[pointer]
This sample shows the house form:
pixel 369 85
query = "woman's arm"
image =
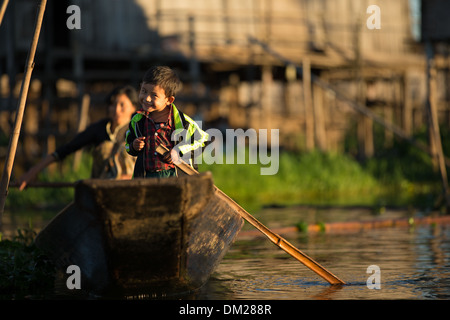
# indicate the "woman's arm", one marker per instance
pixel 30 174
pixel 94 134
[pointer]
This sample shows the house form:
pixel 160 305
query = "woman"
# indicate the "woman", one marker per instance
pixel 107 136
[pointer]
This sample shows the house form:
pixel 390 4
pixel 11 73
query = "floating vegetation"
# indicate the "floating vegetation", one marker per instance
pixel 302 226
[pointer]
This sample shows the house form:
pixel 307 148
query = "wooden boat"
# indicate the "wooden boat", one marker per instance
pixel 143 236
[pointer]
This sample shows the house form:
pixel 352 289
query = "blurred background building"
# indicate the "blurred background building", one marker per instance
pixel 311 68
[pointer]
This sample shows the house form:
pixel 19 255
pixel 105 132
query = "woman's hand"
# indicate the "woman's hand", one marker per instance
pixel 31 174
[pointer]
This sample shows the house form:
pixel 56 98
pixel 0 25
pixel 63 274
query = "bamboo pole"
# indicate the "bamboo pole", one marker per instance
pixel 46 185
pixel 3 10
pixel 20 110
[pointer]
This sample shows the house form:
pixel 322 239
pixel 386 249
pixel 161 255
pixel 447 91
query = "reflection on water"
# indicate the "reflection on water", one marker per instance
pixel 414 262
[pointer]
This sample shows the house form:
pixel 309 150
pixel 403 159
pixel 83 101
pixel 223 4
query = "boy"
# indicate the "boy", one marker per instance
pixel 159 122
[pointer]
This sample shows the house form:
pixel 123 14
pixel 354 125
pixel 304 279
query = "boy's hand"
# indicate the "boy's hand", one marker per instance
pixel 139 143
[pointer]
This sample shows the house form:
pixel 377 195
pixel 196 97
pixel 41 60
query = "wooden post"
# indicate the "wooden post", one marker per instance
pixel 435 135
pixel 319 118
pixel 364 126
pixel 309 116
pixel 194 65
pixel 20 111
pixel 84 99
pixel 267 85
pixel 407 104
pixel 388 117
pixel 82 124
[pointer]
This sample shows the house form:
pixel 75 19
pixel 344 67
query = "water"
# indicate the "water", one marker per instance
pixel 414 261
pixel 414 264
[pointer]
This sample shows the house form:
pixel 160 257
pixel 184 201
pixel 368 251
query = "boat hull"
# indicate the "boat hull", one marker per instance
pixel 142 236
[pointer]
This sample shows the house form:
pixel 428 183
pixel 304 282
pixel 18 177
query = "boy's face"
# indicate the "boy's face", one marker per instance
pixel 153 98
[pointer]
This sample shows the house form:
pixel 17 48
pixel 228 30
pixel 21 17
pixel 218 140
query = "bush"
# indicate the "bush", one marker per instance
pixel 25 270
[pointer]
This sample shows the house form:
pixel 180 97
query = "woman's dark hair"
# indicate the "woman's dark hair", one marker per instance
pixel 128 90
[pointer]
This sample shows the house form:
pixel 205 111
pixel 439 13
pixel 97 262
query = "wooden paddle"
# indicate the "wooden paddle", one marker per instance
pixel 276 239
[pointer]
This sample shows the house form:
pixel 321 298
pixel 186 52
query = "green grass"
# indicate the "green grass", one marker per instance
pixel 329 179
pixel 302 178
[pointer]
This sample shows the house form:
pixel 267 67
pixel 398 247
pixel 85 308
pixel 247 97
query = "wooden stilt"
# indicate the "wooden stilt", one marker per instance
pixel 435 135
pixel 82 124
pixel 309 115
pixel 319 118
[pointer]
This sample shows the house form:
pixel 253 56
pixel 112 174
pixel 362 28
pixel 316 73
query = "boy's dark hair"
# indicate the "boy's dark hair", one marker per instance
pixel 127 90
pixel 164 77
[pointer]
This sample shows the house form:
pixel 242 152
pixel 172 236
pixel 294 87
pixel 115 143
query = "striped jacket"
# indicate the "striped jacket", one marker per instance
pixel 188 138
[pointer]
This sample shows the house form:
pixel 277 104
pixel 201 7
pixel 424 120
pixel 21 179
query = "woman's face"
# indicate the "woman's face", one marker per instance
pixel 121 109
